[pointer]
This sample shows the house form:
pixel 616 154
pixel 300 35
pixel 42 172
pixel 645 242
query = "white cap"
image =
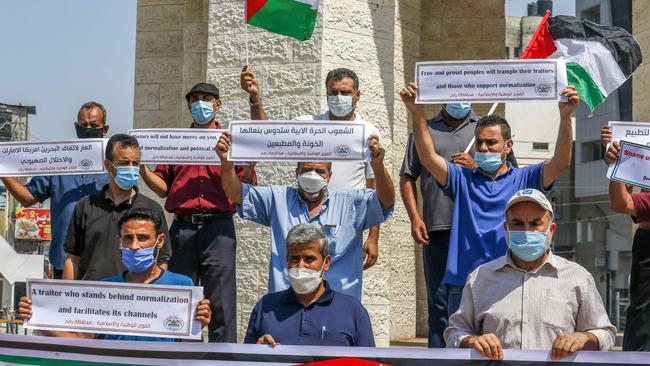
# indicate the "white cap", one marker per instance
pixel 530 195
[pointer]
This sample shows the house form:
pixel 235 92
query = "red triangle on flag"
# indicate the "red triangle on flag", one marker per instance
pixel 346 362
pixel 541 45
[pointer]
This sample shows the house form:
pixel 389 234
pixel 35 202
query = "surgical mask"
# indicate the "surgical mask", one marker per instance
pixel 127 176
pixel 88 133
pixel 202 112
pixel 488 161
pixel 340 105
pixel 305 280
pixel 458 110
pixel 311 182
pixel 528 245
pixel 138 260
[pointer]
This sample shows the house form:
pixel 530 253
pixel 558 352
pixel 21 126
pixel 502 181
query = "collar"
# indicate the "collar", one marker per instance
pixel 471 117
pixel 129 201
pixel 325 199
pixel 217 125
pixel 327 296
pixel 506 261
pixel 487 175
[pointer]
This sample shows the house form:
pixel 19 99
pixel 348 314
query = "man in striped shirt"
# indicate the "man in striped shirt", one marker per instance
pixel 530 298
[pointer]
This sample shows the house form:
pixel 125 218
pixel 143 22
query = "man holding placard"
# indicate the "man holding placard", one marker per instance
pixel 343 214
pixel 203 232
pixel 64 191
pixel 477 235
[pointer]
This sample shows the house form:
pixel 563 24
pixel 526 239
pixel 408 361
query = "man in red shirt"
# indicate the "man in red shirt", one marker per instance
pixel 203 233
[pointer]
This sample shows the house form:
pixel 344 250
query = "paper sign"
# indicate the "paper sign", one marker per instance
pixel 186 146
pixel 489 81
pixel 28 158
pixel 115 308
pixel 632 166
pixel 297 141
pixel 637 132
pixel 33 224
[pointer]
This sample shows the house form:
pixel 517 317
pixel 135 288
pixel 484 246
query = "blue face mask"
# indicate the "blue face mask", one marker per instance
pixel 202 112
pixel 138 260
pixel 528 245
pixel 458 110
pixel 488 161
pixel 127 176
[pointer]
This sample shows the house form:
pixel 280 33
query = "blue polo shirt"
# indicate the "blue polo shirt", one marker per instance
pixel 335 319
pixel 166 278
pixel 477 232
pixel 63 191
pixel 344 215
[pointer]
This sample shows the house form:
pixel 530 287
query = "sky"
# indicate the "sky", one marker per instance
pixel 560 7
pixel 59 54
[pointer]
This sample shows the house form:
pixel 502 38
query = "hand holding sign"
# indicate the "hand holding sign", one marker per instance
pixel 573 101
pixel 408 95
pixel 223 145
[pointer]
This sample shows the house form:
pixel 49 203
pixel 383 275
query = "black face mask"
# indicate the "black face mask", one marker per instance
pixel 89 133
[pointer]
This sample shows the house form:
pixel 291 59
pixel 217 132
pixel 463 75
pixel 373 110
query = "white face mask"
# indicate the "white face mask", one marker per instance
pixel 304 280
pixel 311 182
pixel 340 105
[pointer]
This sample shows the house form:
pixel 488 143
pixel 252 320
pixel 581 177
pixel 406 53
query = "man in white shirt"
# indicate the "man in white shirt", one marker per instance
pixel 530 298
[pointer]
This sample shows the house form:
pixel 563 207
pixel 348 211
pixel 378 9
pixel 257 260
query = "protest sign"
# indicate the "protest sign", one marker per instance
pixel 115 308
pixel 27 158
pixel 490 81
pixel 632 166
pixel 33 224
pixel 187 146
pixel 297 141
pixel 637 132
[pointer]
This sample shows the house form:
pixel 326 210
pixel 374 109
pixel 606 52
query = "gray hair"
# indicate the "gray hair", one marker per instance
pixel 303 234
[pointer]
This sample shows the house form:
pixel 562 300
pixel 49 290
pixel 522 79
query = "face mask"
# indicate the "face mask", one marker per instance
pixel 529 245
pixel 340 105
pixel 488 161
pixel 311 182
pixel 126 177
pixel 458 110
pixel 202 112
pixel 304 280
pixel 88 133
pixel 138 260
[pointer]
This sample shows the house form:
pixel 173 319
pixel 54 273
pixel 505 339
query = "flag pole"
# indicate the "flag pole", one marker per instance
pixel 246 29
pixel 471 142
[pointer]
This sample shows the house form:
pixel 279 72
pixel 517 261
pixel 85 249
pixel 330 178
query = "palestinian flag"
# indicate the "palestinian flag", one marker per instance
pixel 599 57
pixel 293 18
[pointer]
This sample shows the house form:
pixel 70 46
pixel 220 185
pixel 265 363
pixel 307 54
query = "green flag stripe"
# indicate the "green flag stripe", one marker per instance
pixel 37 361
pixel 286 17
pixel 587 88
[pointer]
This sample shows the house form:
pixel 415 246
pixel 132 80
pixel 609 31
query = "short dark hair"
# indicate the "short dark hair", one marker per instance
pixel 143 214
pixel 123 140
pixel 91 105
pixel 329 164
pixel 340 74
pixel 495 120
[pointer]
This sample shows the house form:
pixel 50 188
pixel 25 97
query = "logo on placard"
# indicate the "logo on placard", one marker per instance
pixel 85 164
pixel 173 323
pixel 543 90
pixel 342 150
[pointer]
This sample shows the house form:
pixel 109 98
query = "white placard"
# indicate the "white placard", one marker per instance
pixel 637 132
pixel 29 158
pixel 115 308
pixel 182 146
pixel 490 81
pixel 632 166
pixel 297 141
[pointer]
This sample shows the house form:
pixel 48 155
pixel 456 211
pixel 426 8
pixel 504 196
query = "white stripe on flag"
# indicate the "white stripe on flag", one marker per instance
pixel 314 3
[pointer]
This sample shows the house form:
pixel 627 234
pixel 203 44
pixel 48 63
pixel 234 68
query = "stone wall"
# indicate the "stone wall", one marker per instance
pixel 641 81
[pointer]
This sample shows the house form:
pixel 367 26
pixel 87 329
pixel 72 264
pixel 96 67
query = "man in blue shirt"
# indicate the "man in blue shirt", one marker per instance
pixel 480 195
pixel 64 191
pixel 309 312
pixel 343 215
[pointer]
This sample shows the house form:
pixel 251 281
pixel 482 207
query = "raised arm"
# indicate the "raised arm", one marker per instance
pixel 19 191
pixel 561 159
pixel 434 163
pixel 251 85
pixel 229 179
pixel 383 182
pixel 154 182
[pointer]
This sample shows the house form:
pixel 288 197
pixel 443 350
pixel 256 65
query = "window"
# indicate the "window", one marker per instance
pixel 540 146
pixel 507 52
pixel 590 232
pixel 592 14
pixel 517 54
pixel 579 232
pixel 592 151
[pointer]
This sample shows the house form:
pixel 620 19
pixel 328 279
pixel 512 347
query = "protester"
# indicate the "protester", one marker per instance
pixel 477 235
pixel 343 214
pixel 203 232
pixel 90 241
pixel 64 191
pixel 637 205
pixel 343 94
pixel 141 239
pixel 530 298
pixel 309 312
pixel 453 128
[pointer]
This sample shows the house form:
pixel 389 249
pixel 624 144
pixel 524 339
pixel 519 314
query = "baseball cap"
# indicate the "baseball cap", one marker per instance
pixel 203 88
pixel 530 195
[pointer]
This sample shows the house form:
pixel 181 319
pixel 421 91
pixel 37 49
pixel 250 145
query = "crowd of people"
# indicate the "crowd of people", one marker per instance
pixel 485 224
